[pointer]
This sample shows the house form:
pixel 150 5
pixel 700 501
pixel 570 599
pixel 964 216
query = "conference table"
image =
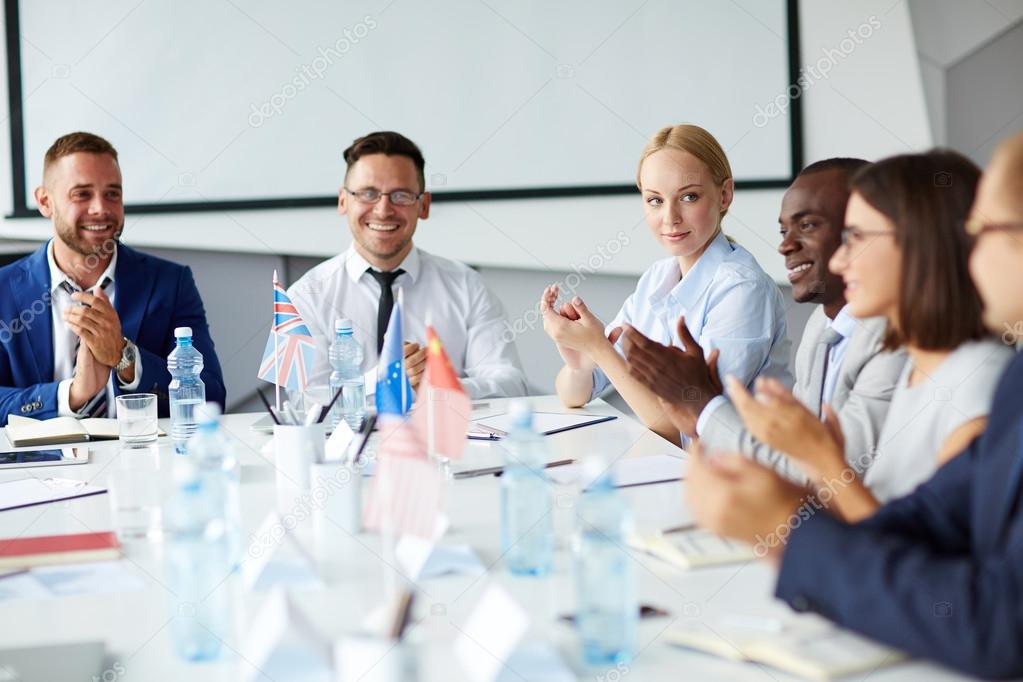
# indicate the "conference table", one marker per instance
pixel 354 572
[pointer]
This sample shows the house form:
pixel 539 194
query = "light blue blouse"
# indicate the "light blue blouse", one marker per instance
pixel 729 302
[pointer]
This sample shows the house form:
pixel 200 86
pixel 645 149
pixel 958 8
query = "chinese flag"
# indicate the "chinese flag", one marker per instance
pixel 442 408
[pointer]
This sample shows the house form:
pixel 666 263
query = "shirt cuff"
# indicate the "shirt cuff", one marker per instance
pixel 138 376
pixel 708 410
pixel 64 399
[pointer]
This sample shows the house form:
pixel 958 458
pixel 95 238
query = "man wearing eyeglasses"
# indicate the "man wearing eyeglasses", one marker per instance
pixel 384 198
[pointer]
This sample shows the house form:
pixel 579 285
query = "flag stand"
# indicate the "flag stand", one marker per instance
pixel 277 357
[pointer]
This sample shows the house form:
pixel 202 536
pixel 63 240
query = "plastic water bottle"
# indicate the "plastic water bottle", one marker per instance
pixel 608 607
pixel 197 562
pixel 527 514
pixel 186 390
pixel 216 460
pixel 346 361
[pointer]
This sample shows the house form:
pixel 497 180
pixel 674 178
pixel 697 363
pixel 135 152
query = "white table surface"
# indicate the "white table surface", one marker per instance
pixel 134 624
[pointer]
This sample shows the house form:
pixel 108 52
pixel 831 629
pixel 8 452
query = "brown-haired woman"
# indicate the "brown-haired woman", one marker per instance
pixel 905 256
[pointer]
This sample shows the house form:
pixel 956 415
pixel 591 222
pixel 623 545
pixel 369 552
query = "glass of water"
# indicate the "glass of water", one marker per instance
pixel 136 419
pixel 135 503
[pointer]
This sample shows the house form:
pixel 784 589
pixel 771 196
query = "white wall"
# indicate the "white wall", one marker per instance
pixel 870 103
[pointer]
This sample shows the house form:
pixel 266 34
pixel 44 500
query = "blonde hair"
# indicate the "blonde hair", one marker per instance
pixel 694 140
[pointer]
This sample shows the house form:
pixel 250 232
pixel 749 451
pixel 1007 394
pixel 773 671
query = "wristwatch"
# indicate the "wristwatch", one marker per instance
pixel 127 356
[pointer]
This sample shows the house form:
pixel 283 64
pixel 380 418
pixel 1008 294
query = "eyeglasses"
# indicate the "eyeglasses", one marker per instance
pixel 399 197
pixel 977 227
pixel 854 235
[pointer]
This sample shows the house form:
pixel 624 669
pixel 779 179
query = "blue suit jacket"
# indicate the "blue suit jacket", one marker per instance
pixel 938 573
pixel 152 297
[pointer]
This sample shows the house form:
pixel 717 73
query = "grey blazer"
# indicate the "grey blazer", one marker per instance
pixel 862 395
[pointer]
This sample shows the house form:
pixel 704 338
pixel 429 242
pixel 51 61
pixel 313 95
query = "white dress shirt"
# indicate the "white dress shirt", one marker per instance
pixel 845 324
pixel 730 304
pixel 468 319
pixel 64 339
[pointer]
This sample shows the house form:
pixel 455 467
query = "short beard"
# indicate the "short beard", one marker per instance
pixel 68 237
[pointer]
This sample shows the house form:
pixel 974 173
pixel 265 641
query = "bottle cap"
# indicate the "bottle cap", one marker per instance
pixel 207 412
pixel 521 413
pixel 342 325
pixel 182 332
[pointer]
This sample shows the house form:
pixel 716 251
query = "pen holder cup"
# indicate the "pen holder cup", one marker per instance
pixel 295 449
pixel 336 493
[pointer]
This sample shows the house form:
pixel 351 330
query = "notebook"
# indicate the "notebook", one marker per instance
pixel 692 548
pixel 810 648
pixel 22 431
pixel 58 549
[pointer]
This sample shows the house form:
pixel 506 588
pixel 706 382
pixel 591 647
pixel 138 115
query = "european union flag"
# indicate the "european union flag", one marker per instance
pixel 394 392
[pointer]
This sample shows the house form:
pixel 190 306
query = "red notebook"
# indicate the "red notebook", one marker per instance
pixel 58 549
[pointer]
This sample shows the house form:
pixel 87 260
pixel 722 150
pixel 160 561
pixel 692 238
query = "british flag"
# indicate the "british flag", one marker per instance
pixel 290 347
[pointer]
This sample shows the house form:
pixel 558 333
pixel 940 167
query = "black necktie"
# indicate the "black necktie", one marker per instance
pixel 97 405
pixel 386 281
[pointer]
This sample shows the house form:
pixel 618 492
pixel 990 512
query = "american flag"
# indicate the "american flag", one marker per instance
pixel 407 490
pixel 290 347
pixel 442 410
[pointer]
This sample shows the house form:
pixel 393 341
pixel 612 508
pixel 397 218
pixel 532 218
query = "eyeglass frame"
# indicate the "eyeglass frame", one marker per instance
pixel 390 196
pixel 847 231
pixel 975 227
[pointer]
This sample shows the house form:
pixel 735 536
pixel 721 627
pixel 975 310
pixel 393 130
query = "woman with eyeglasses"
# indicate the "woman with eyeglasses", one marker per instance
pixel 731 307
pixel 904 256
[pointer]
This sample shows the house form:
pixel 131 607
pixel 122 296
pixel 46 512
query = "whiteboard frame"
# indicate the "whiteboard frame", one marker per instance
pixel 19 186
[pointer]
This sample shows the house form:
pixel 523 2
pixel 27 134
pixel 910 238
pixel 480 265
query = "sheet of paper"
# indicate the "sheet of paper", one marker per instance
pixel 543 422
pixel 285 562
pixel 99 577
pixel 627 471
pixel 538 661
pixel 337 444
pixel 282 644
pixel 22 492
pixel 491 634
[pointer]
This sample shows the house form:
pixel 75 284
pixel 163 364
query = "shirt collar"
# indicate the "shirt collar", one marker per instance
pixel 699 276
pixel 356 265
pixel 57 275
pixel 844 323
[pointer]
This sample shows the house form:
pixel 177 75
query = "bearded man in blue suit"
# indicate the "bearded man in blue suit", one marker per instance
pixel 86 318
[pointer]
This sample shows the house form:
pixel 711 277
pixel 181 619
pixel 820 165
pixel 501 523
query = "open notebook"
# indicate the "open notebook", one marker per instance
pixel 23 431
pixel 692 548
pixel 809 647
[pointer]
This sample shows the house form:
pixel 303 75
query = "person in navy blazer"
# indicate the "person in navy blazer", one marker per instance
pixel 938 573
pixel 86 318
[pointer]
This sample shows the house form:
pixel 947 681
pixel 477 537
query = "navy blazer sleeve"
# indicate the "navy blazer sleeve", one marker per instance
pixel 188 311
pixel 38 401
pixel 908 577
